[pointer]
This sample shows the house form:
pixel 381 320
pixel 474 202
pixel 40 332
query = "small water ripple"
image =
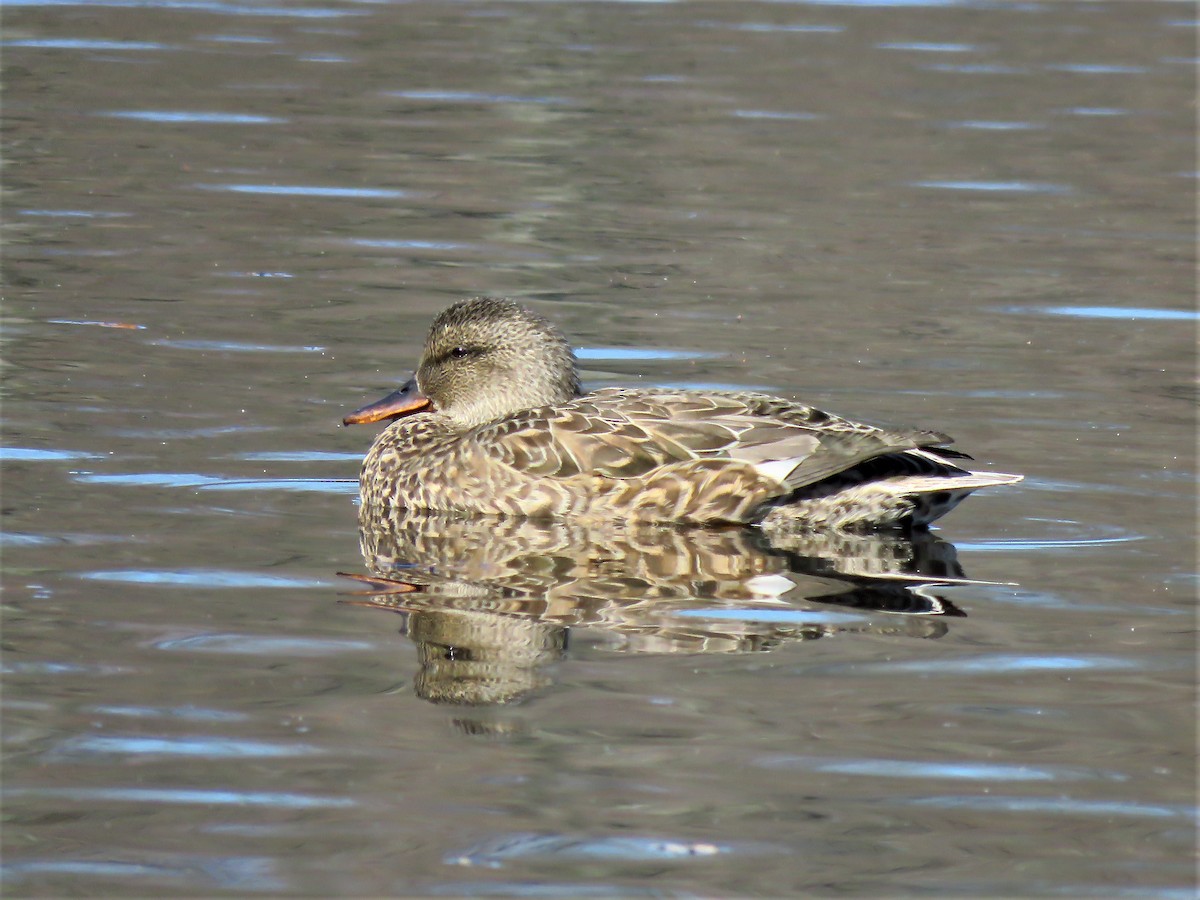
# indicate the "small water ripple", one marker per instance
pixel 91 868
pixel 778 115
pixel 82 43
pixel 297 456
pixel 928 47
pixel 494 853
pixel 210 578
pixel 170 434
pixel 401 244
pixel 987 664
pixel 1100 111
pixel 47 667
pixel 993 125
pixel 185 713
pixel 95 323
pixel 237 873
pixel 996 187
pixel 642 354
pixel 1097 69
pixel 1126 313
pixel 1065 534
pixel 261 645
pixel 449 96
pixel 347 486
pixel 200 746
pixel 29 454
pixel 171 116
pixel 20 539
pixel 1047 600
pixel 25 539
pixel 237 346
pixel 1054 805
pixel 308 190
pixel 211 6
pixel 236 39
pixel 72 214
pixel 771 27
pixel 956 770
pixel 213 483
pixel 1019 545
pixel 540 888
pixel 146 479
pixel 869 4
pixel 258 274
pixel 185 796
pixel 978 68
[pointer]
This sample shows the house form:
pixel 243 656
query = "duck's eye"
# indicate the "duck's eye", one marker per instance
pixel 460 353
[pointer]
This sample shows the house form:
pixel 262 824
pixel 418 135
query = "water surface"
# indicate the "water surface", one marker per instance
pixel 228 224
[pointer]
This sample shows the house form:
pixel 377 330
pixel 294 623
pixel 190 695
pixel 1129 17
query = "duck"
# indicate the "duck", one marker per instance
pixel 494 422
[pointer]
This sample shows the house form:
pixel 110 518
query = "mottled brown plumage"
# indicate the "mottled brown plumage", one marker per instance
pixel 492 423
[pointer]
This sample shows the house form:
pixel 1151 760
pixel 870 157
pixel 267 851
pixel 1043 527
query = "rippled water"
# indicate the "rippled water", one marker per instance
pixel 229 224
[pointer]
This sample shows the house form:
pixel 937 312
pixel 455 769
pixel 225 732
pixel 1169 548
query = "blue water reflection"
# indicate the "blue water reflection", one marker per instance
pixel 506 848
pixel 262 645
pixel 203 746
pixel 199 118
pixel 997 187
pixel 81 43
pixel 951 769
pixel 210 578
pixel 990 664
pixel 1057 805
pixel 308 190
pixel 188 796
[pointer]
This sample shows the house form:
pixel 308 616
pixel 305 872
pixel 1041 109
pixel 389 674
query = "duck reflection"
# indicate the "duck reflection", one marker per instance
pixel 490 602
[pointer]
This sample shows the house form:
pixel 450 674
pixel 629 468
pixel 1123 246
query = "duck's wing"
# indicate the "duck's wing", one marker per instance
pixel 628 433
pixel 835 444
pixel 612 434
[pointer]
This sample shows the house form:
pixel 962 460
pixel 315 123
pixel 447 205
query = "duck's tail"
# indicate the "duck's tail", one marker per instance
pixel 932 498
pixel 921 487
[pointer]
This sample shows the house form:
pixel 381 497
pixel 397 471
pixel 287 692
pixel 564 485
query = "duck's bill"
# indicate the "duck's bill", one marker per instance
pixel 403 402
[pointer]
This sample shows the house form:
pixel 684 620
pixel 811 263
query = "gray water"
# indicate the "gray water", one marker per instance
pixel 228 224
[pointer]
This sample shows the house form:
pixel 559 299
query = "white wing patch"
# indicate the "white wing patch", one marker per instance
pixel 777 469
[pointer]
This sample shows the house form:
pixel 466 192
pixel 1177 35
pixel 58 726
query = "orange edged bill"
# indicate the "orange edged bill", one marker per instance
pixel 403 402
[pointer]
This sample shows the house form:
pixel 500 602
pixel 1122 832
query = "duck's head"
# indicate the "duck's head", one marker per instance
pixel 484 359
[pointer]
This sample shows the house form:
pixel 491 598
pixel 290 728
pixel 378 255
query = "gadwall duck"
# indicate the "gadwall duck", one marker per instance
pixel 494 423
